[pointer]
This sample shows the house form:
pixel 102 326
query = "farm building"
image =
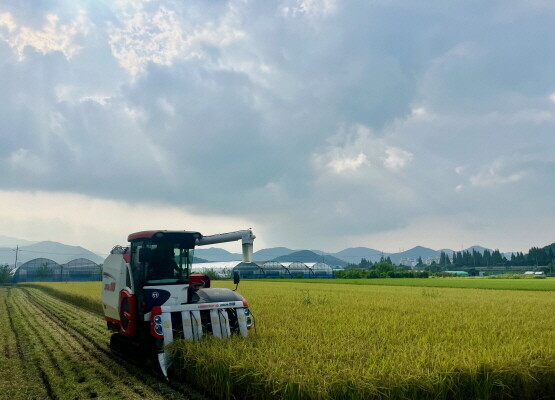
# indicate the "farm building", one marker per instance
pixel 274 269
pixel 297 269
pixel 225 269
pixel 461 273
pixel 320 270
pixel 250 270
pixel 46 270
pixel 270 269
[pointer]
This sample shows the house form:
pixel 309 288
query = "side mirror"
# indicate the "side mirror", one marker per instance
pixel 144 254
pixel 236 277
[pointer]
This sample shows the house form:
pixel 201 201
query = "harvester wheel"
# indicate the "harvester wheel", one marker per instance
pixel 128 313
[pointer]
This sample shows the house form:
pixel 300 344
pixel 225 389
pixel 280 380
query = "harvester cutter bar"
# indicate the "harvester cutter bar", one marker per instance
pixel 192 325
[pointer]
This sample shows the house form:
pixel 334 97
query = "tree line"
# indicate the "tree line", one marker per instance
pixel 536 256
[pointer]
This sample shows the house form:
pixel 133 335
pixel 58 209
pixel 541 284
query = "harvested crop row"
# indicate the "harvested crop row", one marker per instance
pixel 19 379
pixel 90 330
pixel 71 365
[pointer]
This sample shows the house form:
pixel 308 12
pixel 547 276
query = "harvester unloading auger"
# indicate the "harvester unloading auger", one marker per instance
pixel 150 296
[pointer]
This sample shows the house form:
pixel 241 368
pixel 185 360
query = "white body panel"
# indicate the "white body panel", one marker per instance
pixel 178 293
pixel 113 280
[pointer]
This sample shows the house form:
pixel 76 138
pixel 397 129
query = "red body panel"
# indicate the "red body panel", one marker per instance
pixel 197 280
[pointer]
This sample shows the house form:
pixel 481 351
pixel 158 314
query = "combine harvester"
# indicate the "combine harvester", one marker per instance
pixel 150 297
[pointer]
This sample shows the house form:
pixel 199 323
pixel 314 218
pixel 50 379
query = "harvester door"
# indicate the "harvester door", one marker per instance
pixel 127 312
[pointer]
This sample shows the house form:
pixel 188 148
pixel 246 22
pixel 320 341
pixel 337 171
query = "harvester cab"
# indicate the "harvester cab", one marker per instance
pixel 150 296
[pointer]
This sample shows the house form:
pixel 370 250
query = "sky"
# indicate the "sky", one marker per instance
pixel 320 124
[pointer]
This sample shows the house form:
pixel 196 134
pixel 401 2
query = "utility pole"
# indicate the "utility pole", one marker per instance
pixel 16 251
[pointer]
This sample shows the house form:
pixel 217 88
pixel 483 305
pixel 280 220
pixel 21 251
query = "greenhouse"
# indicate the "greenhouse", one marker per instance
pixel 222 269
pixel 250 270
pixel 320 270
pixel 270 269
pixel 225 269
pixel 297 269
pixel 81 270
pixel 46 270
pixel 274 269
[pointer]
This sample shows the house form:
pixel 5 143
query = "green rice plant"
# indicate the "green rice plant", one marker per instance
pixel 380 342
pixel 82 294
pixel 547 284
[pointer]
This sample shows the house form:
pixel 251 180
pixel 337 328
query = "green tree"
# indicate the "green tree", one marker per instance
pixel 420 264
pixel 384 267
pixel 5 275
pixel 365 264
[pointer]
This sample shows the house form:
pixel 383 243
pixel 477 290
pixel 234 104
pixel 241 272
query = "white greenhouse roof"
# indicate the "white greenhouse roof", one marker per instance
pixel 215 266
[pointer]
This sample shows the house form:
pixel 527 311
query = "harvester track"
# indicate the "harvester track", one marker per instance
pixel 65 349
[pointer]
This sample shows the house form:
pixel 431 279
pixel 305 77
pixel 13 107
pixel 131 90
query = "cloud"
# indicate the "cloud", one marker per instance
pixel 159 36
pixel 100 223
pixel 493 174
pixel 397 158
pixel 310 8
pixel 347 164
pixel 359 147
pixel 26 162
pixel 332 122
pixel 52 37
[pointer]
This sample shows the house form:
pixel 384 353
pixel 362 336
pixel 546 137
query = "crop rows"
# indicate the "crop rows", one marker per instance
pixel 58 351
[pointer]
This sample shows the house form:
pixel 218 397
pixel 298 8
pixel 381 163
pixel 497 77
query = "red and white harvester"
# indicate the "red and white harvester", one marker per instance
pixel 150 296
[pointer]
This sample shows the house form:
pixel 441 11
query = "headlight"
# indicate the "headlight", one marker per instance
pixel 158 329
pixel 158 320
pixel 247 312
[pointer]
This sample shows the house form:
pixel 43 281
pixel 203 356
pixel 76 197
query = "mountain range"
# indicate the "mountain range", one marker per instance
pixel 63 253
pixel 347 256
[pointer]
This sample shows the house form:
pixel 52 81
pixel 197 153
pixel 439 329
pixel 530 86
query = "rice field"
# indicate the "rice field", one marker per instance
pixel 331 340
pixel 545 284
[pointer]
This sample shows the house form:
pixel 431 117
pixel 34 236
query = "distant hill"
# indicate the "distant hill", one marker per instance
pixel 310 256
pixel 271 253
pixel 215 254
pixel 7 241
pixel 415 252
pixel 59 252
pixel 63 253
pixel 354 255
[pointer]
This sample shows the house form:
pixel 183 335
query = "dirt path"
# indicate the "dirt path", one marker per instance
pixel 50 349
